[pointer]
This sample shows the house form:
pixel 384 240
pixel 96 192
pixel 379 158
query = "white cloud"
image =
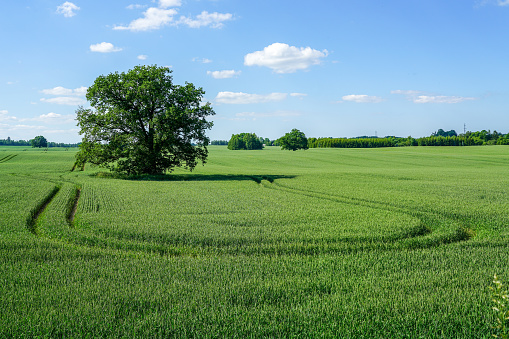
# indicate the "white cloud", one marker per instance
pixel 362 98
pixel 72 101
pixel 300 95
pixel 13 128
pixel 104 47
pixel 55 118
pixel 204 60
pixel 4 116
pixel 420 97
pixel 214 20
pixel 135 6
pixel 440 99
pixel 224 74
pixel 67 9
pixel 50 116
pixel 142 57
pixel 246 98
pixel 503 2
pixel 283 58
pixel 59 90
pixel 153 18
pixel 169 3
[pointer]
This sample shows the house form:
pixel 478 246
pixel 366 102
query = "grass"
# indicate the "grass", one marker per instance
pixel 345 243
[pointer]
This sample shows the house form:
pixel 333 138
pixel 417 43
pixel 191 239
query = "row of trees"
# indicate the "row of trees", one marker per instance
pixel 438 138
pixel 297 140
pixel 293 141
pixel 38 141
pixel 351 143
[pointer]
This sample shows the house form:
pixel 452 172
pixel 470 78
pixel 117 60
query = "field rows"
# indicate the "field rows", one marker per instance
pixel 398 243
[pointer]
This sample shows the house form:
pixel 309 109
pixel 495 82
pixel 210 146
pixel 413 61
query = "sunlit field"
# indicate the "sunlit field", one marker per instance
pixel 347 243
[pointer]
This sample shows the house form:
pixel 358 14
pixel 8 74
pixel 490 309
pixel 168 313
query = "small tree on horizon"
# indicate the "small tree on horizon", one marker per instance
pixel 293 140
pixel 39 141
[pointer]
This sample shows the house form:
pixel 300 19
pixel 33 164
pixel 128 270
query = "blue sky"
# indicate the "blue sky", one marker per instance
pixel 339 68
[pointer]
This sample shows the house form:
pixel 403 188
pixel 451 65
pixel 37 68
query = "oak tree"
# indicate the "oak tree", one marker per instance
pixel 142 123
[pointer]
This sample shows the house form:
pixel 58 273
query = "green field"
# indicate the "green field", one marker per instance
pixel 345 243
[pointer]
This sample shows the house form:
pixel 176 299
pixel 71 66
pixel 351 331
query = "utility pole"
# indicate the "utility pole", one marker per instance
pixel 464 128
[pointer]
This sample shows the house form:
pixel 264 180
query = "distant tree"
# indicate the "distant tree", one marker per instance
pixel 503 139
pixel 39 141
pixel 143 123
pixel 293 140
pixel 245 141
pixel 219 142
pixel 442 133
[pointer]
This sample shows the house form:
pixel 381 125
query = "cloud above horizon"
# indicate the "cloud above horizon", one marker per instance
pixel 104 47
pixel 362 98
pixel 59 90
pixel 65 96
pixel 283 58
pixel 246 98
pixel 67 9
pixel 226 74
pixel 420 97
pixel 214 20
pixel 164 14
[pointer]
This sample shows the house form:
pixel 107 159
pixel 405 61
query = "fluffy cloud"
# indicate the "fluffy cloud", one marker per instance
pixel 135 6
pixel 163 15
pixel 4 116
pixel 104 47
pixel 214 20
pixel 65 96
pixel 223 74
pixel 419 97
pixel 503 2
pixel 80 91
pixel 71 101
pixel 67 9
pixel 283 58
pixel 153 18
pixel 362 98
pixel 246 98
pixel 50 116
pixel 169 3
pixel 142 57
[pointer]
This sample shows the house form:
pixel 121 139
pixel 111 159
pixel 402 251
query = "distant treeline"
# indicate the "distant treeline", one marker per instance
pixel 10 142
pixel 245 137
pixel 439 138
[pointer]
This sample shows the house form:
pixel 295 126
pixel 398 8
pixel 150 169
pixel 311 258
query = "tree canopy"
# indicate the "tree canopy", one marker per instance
pixel 244 141
pixel 39 141
pixel 293 140
pixel 143 123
